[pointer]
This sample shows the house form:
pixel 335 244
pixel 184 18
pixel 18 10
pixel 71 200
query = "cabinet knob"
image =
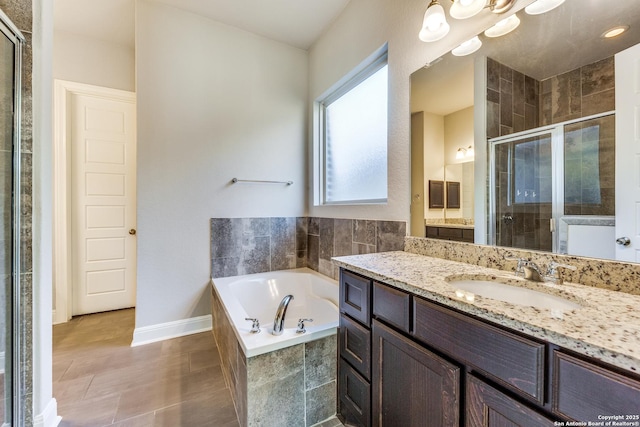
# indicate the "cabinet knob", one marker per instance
pixel 132 231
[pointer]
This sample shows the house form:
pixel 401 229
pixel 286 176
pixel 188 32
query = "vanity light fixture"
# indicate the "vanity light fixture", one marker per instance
pixel 503 27
pixel 614 32
pixel 500 6
pixel 542 6
pixel 465 152
pixel 468 47
pixel 434 24
pixel 470 151
pixel 463 9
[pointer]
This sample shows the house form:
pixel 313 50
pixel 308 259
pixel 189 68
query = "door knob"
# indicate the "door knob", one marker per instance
pixel 132 231
pixel 623 241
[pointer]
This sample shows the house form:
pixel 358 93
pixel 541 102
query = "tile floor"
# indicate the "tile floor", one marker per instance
pixel 99 380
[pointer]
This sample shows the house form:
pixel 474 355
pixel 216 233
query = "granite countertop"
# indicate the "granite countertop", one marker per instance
pixel 606 327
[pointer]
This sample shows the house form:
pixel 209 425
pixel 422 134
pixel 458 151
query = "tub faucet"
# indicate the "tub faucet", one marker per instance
pixel 278 321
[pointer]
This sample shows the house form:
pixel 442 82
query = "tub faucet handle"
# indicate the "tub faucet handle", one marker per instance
pixel 255 325
pixel 301 329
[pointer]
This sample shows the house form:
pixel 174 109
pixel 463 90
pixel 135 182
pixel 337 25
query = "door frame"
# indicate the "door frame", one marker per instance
pixel 63 90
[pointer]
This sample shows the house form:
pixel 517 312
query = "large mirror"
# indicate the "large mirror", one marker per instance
pixel 543 118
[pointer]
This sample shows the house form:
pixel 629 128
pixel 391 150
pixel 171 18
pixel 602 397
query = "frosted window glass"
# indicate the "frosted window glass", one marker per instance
pixel 356 142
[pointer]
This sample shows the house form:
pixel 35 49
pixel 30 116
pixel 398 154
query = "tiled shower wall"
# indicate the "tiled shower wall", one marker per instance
pixel 578 93
pixel 513 100
pixel 254 245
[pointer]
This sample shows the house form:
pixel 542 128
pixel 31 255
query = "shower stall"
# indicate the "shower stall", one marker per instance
pixel 10 106
pixel 539 176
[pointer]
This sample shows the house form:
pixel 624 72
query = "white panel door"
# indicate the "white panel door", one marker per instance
pixel 627 70
pixel 103 200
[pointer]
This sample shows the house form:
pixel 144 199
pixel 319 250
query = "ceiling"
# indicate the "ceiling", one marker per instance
pixel 542 46
pixel 296 23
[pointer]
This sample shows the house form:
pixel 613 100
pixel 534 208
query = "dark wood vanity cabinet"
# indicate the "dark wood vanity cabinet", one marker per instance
pixel 354 348
pixel 413 362
pixel 411 385
pixel 586 391
pixel 450 233
pixel 486 406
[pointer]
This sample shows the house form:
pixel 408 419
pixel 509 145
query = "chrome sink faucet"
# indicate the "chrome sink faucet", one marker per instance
pixel 531 271
pixel 278 321
pixel 554 275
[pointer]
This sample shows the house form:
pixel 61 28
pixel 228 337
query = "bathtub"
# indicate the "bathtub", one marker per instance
pixel 301 367
pixel 315 296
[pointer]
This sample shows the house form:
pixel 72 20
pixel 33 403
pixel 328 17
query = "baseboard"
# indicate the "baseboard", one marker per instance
pixel 165 331
pixel 49 417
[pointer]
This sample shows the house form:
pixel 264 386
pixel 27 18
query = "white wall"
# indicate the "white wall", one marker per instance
pixel 214 103
pixel 85 60
pixel 458 133
pixel 363 27
pixel 44 405
pixel 433 159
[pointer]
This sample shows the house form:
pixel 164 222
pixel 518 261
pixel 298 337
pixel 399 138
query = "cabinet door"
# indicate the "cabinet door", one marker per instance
pixel 355 345
pixel 488 407
pixel 586 392
pixel 355 296
pixel 410 385
pixel 354 397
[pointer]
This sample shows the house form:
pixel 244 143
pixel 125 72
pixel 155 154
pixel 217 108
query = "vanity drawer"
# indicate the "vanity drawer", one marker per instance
pixel 512 360
pixel 355 345
pixel 392 305
pixel 355 397
pixel 579 388
pixel 355 296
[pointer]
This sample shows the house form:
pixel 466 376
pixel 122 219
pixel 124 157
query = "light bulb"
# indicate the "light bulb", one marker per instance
pixel 470 151
pixel 434 24
pixel 463 9
pixel 503 27
pixel 467 47
pixel 542 6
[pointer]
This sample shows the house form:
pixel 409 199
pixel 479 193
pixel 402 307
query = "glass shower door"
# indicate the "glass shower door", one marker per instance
pixel 522 192
pixel 10 63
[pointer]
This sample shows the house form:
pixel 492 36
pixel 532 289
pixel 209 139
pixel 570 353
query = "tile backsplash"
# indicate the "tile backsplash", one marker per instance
pixel 254 245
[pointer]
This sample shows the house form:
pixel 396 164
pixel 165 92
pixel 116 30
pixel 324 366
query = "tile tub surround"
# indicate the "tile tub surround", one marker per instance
pixel 599 273
pixel 606 327
pixel 254 245
pixel 292 386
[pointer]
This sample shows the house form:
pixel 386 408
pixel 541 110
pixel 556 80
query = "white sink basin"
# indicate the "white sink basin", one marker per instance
pixel 468 288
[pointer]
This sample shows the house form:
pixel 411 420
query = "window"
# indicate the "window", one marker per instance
pixel 354 138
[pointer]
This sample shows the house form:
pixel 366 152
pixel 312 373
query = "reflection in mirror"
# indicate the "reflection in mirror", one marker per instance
pixel 550 86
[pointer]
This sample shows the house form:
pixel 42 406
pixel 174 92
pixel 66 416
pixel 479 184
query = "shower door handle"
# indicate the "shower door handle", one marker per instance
pixel 623 241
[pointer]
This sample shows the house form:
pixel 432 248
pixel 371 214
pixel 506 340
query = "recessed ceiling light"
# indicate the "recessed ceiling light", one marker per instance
pixel 468 47
pixel 615 31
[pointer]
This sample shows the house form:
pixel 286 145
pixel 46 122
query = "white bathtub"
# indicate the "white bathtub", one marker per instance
pixel 315 296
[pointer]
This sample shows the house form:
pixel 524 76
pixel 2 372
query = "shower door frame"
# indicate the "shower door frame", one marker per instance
pixel 556 131
pixel 14 35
